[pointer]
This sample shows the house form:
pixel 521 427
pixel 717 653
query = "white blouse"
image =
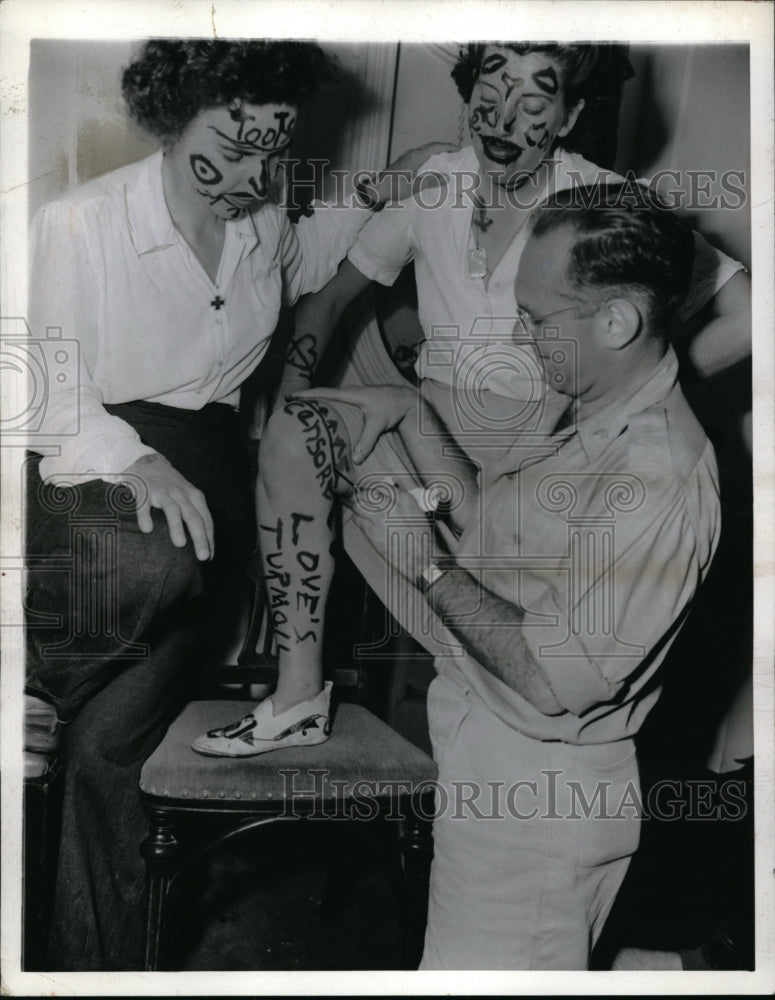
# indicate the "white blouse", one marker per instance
pixel 111 271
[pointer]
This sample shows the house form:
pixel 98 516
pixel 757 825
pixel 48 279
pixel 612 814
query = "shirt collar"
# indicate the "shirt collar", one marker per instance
pixel 150 224
pixel 604 427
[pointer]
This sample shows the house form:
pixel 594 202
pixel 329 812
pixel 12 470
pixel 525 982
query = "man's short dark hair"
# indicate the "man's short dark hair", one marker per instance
pixel 626 241
pixel 172 80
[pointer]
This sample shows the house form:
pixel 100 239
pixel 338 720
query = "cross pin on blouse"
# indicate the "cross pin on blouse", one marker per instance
pixel 217 302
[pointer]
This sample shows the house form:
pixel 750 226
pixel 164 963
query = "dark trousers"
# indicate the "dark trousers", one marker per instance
pixel 117 622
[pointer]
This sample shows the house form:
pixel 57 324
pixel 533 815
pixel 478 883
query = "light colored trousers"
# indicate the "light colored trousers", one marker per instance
pixel 506 892
pixel 531 840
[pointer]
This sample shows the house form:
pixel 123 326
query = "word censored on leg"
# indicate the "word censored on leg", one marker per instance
pixel 322 440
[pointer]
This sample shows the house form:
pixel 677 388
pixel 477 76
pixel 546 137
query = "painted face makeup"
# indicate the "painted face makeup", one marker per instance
pixel 517 110
pixel 231 155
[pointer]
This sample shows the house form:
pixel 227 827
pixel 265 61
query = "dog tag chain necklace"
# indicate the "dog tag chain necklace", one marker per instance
pixel 477 255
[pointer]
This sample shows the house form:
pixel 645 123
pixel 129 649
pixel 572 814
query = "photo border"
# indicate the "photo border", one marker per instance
pixel 665 22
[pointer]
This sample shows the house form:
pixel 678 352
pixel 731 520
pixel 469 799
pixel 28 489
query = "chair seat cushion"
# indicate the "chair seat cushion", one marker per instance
pixel 362 758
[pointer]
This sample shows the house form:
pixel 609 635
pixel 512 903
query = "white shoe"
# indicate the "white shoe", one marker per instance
pixel 302 725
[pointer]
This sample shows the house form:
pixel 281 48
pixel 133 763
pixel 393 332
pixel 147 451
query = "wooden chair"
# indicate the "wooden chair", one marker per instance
pixel 196 804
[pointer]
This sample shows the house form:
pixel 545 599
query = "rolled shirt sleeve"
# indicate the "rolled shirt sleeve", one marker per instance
pixel 712 270
pixel 387 244
pixel 385 247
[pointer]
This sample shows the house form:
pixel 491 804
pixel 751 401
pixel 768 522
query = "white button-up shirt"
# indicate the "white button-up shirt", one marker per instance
pixel 112 271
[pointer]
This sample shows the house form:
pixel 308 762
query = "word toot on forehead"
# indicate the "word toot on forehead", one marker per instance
pixel 274 132
pixel 545 79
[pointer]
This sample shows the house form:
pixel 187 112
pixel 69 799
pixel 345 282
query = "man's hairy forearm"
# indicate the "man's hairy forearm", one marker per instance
pixel 492 634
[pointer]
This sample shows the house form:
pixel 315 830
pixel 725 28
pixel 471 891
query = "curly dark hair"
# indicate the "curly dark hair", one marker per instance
pixel 626 238
pixel 172 80
pixel 594 73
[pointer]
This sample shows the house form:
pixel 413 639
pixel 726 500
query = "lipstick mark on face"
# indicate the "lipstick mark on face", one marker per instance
pixel 510 82
pixel 492 63
pixel 501 150
pixel 258 188
pixel 237 203
pixel 204 171
pixel 483 114
pixel 537 136
pixel 546 80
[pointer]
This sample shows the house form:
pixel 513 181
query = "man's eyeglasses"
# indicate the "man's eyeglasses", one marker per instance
pixel 532 324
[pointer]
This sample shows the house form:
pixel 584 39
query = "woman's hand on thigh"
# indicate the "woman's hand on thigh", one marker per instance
pixel 182 504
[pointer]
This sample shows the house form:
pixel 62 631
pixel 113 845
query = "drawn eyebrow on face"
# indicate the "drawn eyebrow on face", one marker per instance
pixel 492 63
pixel 546 80
pixel 232 149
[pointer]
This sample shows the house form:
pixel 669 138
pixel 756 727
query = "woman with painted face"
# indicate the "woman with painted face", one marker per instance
pixel 170 274
pixel 528 107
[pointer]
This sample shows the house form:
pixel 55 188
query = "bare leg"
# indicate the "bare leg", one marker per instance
pixel 303 453
pixel 304 450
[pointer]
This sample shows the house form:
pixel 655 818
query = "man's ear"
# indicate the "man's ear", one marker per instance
pixel 619 322
pixel 570 119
